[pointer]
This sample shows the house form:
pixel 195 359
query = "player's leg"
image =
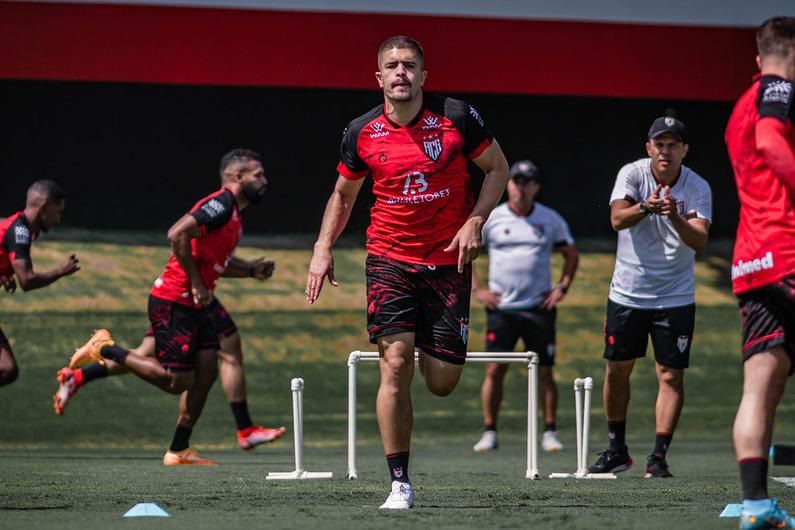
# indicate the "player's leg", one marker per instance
pixel 769 358
pixel 626 338
pixel 501 336
pixel 9 370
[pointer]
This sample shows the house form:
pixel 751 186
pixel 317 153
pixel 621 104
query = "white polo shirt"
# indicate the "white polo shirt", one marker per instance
pixel 519 250
pixel 654 268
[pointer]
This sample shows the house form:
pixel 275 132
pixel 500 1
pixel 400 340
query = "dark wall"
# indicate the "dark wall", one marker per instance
pixel 135 156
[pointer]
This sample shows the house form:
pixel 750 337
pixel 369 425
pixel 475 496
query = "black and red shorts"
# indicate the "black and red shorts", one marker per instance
pixel 4 344
pixel 768 315
pixel 430 301
pixel 221 320
pixel 536 327
pixel 180 331
pixel 627 331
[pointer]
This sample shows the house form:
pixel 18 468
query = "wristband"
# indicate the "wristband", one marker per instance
pixel 644 209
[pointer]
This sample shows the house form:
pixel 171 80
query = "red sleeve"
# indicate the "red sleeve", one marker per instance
pixel 349 174
pixel 773 144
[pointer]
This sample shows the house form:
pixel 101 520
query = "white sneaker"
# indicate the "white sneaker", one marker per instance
pixel 487 442
pixel 401 497
pixel 550 442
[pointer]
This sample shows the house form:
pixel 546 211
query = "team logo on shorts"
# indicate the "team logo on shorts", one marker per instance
pixel 681 343
pixel 464 329
pixel 433 148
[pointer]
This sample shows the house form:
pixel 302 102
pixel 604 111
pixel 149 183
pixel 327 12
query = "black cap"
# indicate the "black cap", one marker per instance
pixel 667 124
pixel 525 169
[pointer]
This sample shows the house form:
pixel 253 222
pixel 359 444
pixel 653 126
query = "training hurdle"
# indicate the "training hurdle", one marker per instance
pixel 528 358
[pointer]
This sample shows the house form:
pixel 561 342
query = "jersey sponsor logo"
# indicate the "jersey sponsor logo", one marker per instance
pixel 22 235
pixel 474 114
pixel 213 208
pixel 420 198
pixel 431 122
pixel 378 130
pixel 743 268
pixel 433 148
pixel 777 92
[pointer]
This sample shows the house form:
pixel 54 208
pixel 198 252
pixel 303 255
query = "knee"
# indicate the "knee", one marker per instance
pixel 618 371
pixel 441 388
pixel 9 375
pixel 672 378
pixel 496 372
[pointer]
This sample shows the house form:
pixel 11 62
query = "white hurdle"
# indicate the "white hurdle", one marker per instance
pixel 528 358
pixel 297 387
pixel 582 412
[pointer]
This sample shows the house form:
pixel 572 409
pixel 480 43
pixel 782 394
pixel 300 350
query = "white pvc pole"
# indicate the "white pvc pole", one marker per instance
pixel 353 361
pixel 532 417
pixel 578 421
pixel 586 422
pixel 297 387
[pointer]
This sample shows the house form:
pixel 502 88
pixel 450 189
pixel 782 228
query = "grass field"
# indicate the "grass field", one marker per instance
pixel 84 470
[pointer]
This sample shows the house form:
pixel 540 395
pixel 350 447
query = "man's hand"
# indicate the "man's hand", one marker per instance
pixel 201 296
pixel 669 208
pixel 490 299
pixel 467 241
pixel 552 298
pixel 8 283
pixel 262 268
pixel 70 266
pixel 322 265
pixel 654 202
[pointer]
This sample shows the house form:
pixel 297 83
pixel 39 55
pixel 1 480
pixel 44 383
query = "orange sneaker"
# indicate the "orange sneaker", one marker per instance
pixel 255 435
pixel 186 457
pixel 67 388
pixel 89 352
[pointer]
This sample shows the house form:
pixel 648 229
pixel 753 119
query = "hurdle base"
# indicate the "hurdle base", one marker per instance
pixel 590 476
pixel 532 474
pixel 352 475
pixel 298 475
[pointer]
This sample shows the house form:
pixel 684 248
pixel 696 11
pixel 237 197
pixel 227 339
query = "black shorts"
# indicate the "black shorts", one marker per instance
pixel 769 319
pixel 432 302
pixel 4 344
pixel 180 331
pixel 536 327
pixel 627 331
pixel 221 320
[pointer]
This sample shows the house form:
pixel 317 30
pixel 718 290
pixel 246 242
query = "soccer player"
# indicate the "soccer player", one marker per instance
pixel 44 205
pixel 520 236
pixel 184 325
pixel 424 232
pixel 761 145
pixel 662 211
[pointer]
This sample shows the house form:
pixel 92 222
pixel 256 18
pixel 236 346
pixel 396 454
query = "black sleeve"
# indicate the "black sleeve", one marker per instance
pixel 775 99
pixel 17 240
pixel 348 155
pixel 468 122
pixel 215 211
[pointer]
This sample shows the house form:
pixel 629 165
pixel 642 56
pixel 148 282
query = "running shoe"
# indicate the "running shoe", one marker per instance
pixel 90 351
pixel 400 498
pixel 255 435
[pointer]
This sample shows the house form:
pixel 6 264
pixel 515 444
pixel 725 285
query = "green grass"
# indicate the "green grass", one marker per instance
pixel 84 470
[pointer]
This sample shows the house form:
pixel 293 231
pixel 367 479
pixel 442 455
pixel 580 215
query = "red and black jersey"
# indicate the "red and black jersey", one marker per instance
pixel 420 181
pixel 764 250
pixel 220 229
pixel 15 241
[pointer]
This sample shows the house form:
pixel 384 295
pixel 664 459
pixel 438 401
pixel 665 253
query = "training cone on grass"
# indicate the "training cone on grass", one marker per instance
pixel 146 509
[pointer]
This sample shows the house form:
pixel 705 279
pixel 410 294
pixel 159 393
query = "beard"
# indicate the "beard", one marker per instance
pixel 253 195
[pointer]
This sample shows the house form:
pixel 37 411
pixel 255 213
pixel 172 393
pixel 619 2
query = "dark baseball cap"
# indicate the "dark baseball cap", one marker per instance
pixel 667 124
pixel 524 169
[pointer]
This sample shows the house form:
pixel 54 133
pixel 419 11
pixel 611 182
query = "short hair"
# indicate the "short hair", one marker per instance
pixel 776 36
pixel 400 42
pixel 48 189
pixel 236 156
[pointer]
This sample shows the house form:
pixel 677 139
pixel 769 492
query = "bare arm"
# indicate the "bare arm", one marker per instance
pixel 29 280
pixel 468 238
pixel 624 214
pixel 571 259
pixel 180 235
pixel 335 217
pixel 488 298
pixel 772 143
pixel 259 268
pixel 694 232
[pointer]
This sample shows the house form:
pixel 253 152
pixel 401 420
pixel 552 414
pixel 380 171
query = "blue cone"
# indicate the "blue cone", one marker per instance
pixel 732 510
pixel 146 509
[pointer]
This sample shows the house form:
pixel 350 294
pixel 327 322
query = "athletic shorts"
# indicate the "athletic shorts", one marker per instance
pixel 180 331
pixel 536 327
pixel 768 315
pixel 4 341
pixel 222 323
pixel 430 301
pixel 627 331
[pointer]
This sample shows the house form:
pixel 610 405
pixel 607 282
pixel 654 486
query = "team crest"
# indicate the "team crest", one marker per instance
pixel 464 329
pixel 433 148
pixel 681 343
pixel 669 121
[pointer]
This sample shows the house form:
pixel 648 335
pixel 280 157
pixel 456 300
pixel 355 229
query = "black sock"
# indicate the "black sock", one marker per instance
pixel 398 466
pixel 240 411
pixel 661 443
pixel 550 427
pixel 94 371
pixel 615 433
pixel 181 439
pixel 490 426
pixel 753 477
pixel 114 353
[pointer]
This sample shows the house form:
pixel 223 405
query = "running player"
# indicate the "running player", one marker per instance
pixel 761 144
pixel 424 232
pixel 44 205
pixel 185 334
pixel 661 210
